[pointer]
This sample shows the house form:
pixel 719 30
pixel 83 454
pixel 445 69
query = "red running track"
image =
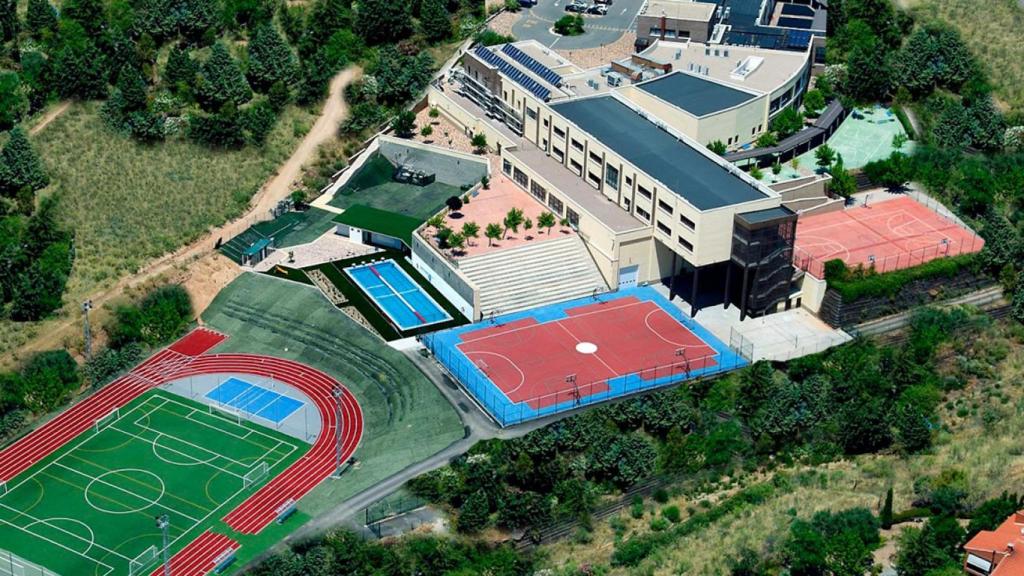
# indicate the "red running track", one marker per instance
pixel 182 359
pixel 318 463
pixel 200 556
pixel 49 437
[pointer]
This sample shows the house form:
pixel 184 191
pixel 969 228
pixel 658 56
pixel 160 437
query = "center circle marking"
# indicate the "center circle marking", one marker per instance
pixel 163 490
pixel 586 348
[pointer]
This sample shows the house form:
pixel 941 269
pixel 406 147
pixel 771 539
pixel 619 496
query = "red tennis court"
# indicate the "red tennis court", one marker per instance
pixel 542 363
pixel 889 235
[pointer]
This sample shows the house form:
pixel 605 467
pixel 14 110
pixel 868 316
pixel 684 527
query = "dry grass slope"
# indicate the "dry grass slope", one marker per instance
pixel 994 29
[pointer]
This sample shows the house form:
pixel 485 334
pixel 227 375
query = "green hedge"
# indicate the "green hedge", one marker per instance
pixel 901 115
pixel 866 283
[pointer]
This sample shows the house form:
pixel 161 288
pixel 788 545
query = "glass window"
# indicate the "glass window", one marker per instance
pixel 664 228
pixel 573 218
pixel 643 192
pixel 531 113
pixel 611 177
pixel 558 153
pixel 555 204
pixel 665 206
pixel 538 191
pixel 577 167
pixel 687 222
pixel 643 214
pixel 577 144
pixel 685 244
pixel 521 178
pixel 506 166
pixel 559 132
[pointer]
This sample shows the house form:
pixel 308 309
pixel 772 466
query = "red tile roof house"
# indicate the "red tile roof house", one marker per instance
pixel 999 552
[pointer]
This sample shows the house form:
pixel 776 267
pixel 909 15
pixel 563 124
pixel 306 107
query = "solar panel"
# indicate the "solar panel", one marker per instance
pixel 802 23
pixel 512 72
pixel 798 39
pixel 797 10
pixel 532 64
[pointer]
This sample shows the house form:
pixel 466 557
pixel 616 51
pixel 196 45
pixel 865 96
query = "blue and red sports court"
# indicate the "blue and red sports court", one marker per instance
pixel 530 364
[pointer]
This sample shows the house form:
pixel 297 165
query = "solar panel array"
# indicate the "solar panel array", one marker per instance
pixel 792 22
pixel 799 39
pixel 532 64
pixel 797 10
pixel 517 75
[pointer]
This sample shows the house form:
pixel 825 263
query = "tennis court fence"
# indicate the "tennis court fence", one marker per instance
pixel 13 565
pixel 572 395
pixel 816 266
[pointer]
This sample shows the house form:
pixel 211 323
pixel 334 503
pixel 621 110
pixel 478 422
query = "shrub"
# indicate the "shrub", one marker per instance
pixel 671 513
pixel 569 25
pixel 866 283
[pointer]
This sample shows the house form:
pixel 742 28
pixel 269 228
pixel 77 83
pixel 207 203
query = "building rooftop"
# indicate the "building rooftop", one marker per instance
pixel 573 187
pixel 766 215
pixel 681 9
pixel 688 172
pixel 1001 547
pixel 733 65
pixel 379 221
pixel 694 94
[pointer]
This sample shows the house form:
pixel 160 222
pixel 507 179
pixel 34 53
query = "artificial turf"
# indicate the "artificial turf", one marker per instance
pixel 89 508
pixel 406 419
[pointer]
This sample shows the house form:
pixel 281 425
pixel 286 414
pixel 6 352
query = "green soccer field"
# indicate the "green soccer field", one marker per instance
pixel 89 509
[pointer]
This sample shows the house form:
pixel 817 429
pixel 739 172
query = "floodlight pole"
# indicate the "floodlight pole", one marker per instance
pixel 86 307
pixel 338 394
pixel 163 522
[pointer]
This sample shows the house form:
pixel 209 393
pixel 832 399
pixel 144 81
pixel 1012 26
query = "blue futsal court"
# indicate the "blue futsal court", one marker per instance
pixel 394 292
pixel 254 400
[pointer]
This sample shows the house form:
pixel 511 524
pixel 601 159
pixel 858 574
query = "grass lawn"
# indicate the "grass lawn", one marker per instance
pixel 992 29
pixel 129 203
pixel 89 508
pixel 406 417
pixel 372 186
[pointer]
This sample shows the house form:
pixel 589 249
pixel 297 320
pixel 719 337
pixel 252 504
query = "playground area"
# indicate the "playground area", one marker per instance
pixel 409 179
pixel 866 135
pixel 555 358
pixel 889 235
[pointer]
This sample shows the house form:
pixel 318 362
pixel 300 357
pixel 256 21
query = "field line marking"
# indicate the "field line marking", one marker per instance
pixel 151 501
pixel 136 481
pixel 596 355
pixel 257 432
pixel 141 439
pixel 58 528
pixel 59 545
pixel 521 328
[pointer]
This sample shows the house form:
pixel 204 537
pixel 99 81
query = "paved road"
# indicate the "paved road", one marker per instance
pixel 537 22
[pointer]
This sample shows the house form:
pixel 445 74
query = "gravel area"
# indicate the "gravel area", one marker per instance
pixel 602 55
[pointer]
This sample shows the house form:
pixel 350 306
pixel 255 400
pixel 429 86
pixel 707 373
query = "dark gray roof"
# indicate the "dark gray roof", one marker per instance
pixel 767 215
pixel 686 171
pixel 696 95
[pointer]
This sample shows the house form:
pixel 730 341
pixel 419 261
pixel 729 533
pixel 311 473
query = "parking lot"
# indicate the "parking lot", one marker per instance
pixel 536 24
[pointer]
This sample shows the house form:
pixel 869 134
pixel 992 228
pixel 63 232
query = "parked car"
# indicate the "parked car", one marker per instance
pixel 527 3
pixel 598 9
pixel 605 2
pixel 575 7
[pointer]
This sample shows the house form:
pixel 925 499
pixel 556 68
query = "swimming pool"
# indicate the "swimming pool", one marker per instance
pixel 394 292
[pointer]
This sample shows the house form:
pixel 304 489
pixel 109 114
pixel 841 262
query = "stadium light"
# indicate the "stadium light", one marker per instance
pixel 163 522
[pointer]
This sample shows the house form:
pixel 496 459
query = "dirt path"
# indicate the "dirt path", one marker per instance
pixel 50 117
pixel 202 270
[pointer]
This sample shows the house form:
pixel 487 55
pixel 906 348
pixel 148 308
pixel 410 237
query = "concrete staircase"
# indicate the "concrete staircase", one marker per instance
pixel 533 275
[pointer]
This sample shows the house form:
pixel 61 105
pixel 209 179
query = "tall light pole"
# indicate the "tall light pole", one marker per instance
pixel 338 395
pixel 163 522
pixel 86 307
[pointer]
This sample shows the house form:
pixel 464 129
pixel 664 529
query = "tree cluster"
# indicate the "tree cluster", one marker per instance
pixel 45 382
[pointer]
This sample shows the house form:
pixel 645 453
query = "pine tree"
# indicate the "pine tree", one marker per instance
pixel 20 167
pixel 180 69
pixel 270 59
pixel 132 87
pixel 13 102
pixel 198 17
pixel 885 517
pixel 40 17
pixel 8 20
pixel 435 20
pixel 90 14
pixel 381 21
pixel 221 81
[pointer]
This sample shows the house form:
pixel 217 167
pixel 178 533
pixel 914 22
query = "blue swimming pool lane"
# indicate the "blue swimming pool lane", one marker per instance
pixel 395 293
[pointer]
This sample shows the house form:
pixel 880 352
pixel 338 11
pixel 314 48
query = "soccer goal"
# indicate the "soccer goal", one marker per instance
pixel 256 474
pixel 226 413
pixel 144 561
pixel 107 420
